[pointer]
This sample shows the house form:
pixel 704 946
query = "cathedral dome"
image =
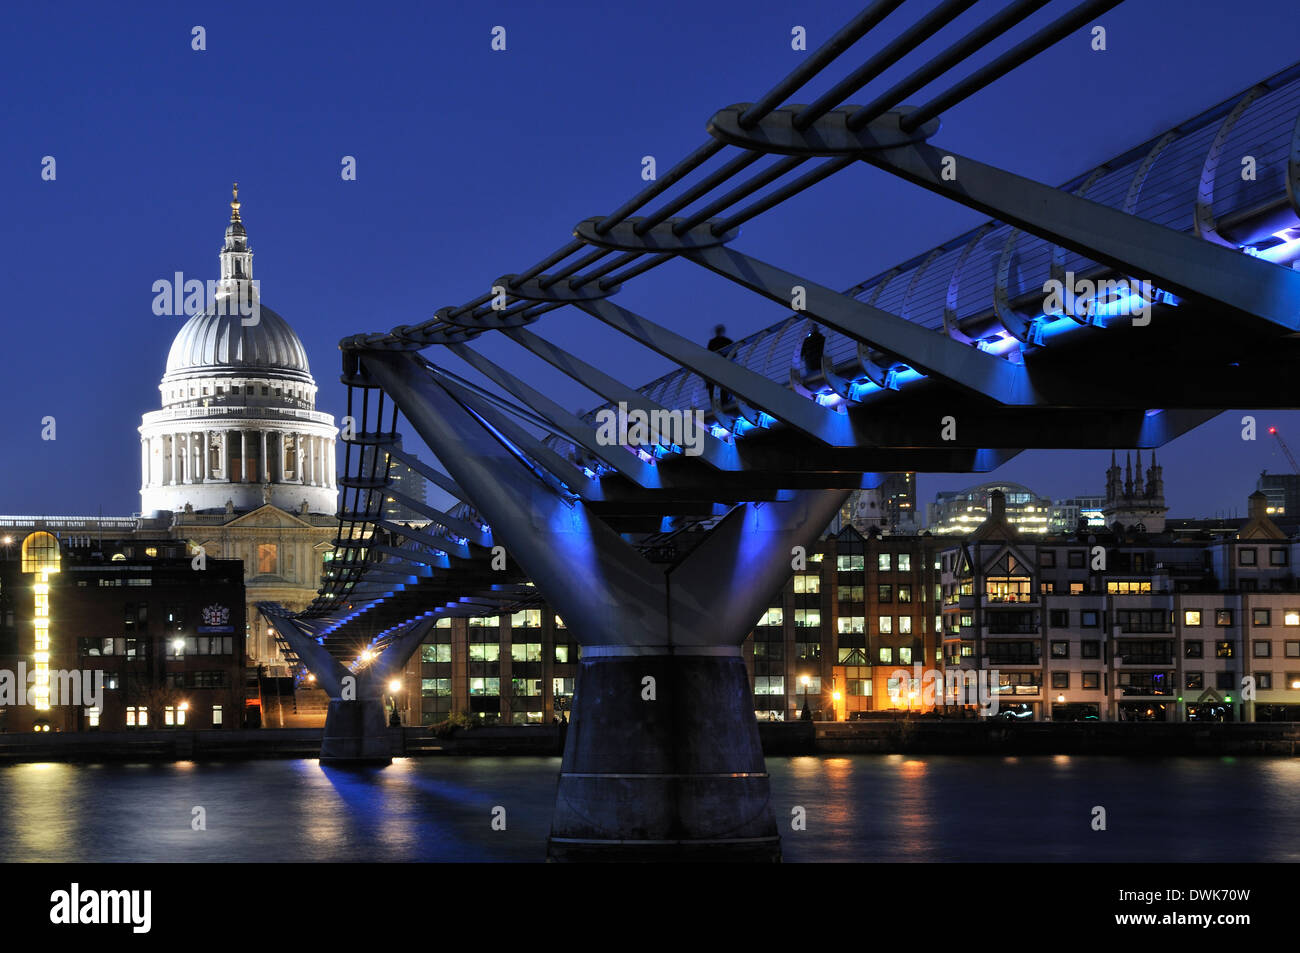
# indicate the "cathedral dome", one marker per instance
pixel 213 342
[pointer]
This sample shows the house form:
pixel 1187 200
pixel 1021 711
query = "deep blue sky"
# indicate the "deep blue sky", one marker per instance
pixel 472 164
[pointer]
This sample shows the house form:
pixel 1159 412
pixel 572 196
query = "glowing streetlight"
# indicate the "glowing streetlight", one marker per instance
pixel 395 685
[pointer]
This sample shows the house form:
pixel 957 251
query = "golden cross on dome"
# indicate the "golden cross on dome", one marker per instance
pixel 234 203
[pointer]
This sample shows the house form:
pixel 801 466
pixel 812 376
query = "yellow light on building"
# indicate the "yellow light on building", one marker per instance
pixel 41 557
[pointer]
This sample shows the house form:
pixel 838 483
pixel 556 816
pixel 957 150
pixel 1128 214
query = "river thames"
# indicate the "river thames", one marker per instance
pixel 883 808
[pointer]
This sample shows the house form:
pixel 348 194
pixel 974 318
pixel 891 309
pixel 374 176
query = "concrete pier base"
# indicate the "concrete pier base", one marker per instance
pixel 356 734
pixel 676 777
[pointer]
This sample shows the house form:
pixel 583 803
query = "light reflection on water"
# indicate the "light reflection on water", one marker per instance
pixel 858 808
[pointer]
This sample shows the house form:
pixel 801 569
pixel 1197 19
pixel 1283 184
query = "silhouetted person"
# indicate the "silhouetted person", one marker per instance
pixel 718 342
pixel 810 352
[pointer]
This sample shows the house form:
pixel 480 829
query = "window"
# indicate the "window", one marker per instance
pixel 1076 588
pixel 1127 587
pixel 1293 681
pixel 1245 557
pixel 217 715
pixel 885 593
pixel 773 616
pixel 1224 649
pixel 1264 680
pixel 904 593
pixel 1193 681
pixel 904 562
pixel 813 686
pixel 1192 617
pixel 1194 649
pixel 1060 650
pixel 1076 559
pixel 850 563
pixel 485 686
pixel 807 618
pixel 905 655
pixel 1223 617
pixel 1092 681
pixel 1263 649
pixel 852 624
pixel 904 625
pixel 1292 649
pixel 526 619
pixel 1090 648
pixel 1277 557
pixel 485 651
pixel 883 562
pixel 769 685
pixel 807 583
pixel 525 687
pixel 1291 617
pixel 886 654
pixel 1259 617
pixel 967 651
pixel 1047 558
pixel 1060 679
pixel 860 687
pixel 1059 618
pixel 525 651
pixel 885 624
pixel 268 557
pixel 851 593
pixel 438 652
pixel 1089 618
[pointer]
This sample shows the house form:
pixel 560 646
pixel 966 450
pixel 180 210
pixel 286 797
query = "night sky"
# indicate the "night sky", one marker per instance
pixel 473 163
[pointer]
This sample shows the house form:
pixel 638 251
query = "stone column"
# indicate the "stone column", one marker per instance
pixel 206 469
pixel 284 476
pixel 243 456
pixel 266 461
pixel 144 462
pixel 334 464
pixel 175 462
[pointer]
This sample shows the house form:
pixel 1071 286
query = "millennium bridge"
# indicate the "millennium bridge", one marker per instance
pixel 1120 309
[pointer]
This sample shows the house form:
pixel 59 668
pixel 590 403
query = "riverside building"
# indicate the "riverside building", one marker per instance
pixel 118 634
pixel 1125 625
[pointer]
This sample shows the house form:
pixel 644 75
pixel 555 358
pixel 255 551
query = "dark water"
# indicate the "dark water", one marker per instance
pixel 859 808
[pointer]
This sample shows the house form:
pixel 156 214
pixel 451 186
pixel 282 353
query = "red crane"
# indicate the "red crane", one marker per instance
pixel 1285 449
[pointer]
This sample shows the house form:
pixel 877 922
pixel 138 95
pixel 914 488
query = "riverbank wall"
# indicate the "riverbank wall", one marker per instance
pixel 778 738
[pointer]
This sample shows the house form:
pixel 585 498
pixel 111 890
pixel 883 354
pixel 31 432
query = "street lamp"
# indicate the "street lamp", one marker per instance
pixel 394 719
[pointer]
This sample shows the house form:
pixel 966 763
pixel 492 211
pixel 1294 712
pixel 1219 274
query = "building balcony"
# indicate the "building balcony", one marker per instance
pixel 1145 659
pixel 996 627
pixel 1144 628
pixel 1012 599
pixel 1013 659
